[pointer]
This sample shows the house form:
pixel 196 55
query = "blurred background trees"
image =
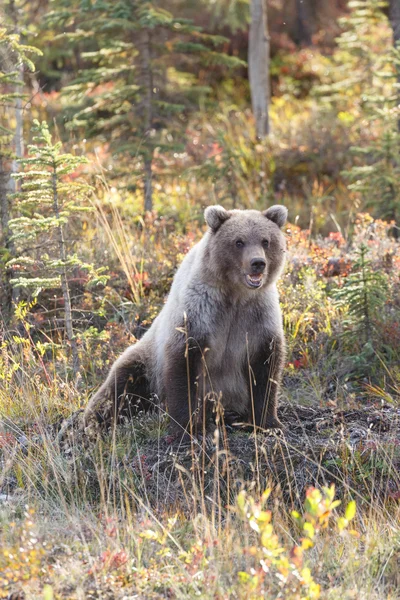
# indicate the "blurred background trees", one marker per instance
pixel 143 88
pixel 138 80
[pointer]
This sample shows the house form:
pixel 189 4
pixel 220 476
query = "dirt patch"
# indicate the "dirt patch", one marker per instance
pixel 358 450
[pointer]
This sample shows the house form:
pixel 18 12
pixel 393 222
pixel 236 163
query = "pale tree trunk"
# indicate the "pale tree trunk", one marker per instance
pixel 19 152
pixel 19 132
pixel 4 207
pixel 19 126
pixel 6 310
pixel 146 76
pixel 259 65
pixel 64 280
pixel 394 18
pixel 8 164
pixel 19 136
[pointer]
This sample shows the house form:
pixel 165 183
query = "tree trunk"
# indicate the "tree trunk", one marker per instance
pixel 146 77
pixel 259 65
pixel 394 18
pixel 64 280
pixel 6 311
pixel 148 190
pixel 303 23
pixel 18 137
pixel 19 131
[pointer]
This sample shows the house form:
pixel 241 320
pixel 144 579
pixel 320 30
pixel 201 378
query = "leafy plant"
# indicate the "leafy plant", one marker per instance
pixel 273 562
pixel 24 560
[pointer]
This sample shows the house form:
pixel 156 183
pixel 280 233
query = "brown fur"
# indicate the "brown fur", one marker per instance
pixel 218 337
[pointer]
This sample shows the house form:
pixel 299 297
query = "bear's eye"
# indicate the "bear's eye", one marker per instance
pixel 265 243
pixel 239 243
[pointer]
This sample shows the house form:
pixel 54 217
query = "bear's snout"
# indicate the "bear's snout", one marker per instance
pixel 258 265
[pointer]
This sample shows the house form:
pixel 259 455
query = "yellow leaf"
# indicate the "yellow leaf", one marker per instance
pixel 309 530
pixel 48 592
pixel 306 576
pixel 350 510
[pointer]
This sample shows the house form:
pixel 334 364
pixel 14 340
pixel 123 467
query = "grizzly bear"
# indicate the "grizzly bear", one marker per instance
pixel 219 336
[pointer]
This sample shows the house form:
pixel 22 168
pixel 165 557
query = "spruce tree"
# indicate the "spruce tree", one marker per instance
pixel 367 85
pixel 376 174
pixel 357 59
pixel 48 201
pixel 361 28
pixel 14 58
pixel 363 295
pixel 137 82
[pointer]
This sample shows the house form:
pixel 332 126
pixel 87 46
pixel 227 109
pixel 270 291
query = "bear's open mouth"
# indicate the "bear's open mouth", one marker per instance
pixel 254 281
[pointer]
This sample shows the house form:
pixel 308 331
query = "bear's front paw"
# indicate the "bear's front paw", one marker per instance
pixel 273 423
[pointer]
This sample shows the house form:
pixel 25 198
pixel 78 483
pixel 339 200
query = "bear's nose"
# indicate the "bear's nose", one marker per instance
pixel 257 265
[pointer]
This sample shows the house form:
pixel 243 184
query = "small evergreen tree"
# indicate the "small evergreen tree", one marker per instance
pixel 360 49
pixel 137 81
pixel 378 181
pixel 376 174
pixel 363 295
pixel 47 202
pixel 360 39
pixel 367 85
pixel 14 57
pixel 228 13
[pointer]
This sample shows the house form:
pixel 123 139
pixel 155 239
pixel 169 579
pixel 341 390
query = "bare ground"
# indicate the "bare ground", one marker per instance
pixel 358 450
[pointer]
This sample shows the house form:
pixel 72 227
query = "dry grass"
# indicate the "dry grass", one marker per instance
pixel 131 515
pixel 134 516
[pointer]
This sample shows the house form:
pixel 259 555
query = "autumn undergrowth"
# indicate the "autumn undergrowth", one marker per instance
pixel 312 513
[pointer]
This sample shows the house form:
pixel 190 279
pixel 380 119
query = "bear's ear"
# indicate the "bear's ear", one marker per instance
pixel 215 216
pixel 277 214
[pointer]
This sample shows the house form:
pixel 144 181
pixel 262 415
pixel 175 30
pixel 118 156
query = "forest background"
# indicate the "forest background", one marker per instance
pixel 120 121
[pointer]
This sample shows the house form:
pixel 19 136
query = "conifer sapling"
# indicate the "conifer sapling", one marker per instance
pixel 48 201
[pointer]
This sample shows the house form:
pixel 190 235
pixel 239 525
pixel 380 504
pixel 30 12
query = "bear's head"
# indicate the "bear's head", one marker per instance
pixel 246 247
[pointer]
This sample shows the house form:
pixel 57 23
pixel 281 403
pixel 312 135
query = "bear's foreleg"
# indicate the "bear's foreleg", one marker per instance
pixel 266 377
pixel 125 391
pixel 181 378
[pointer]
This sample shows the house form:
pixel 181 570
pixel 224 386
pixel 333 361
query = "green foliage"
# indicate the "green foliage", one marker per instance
pixel 48 201
pixel 359 25
pixel 239 169
pixel 378 181
pixel 356 61
pixel 13 56
pixel 376 174
pixel 363 294
pixel 139 79
pixel 231 13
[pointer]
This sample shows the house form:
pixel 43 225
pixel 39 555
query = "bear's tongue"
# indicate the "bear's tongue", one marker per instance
pixel 254 280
